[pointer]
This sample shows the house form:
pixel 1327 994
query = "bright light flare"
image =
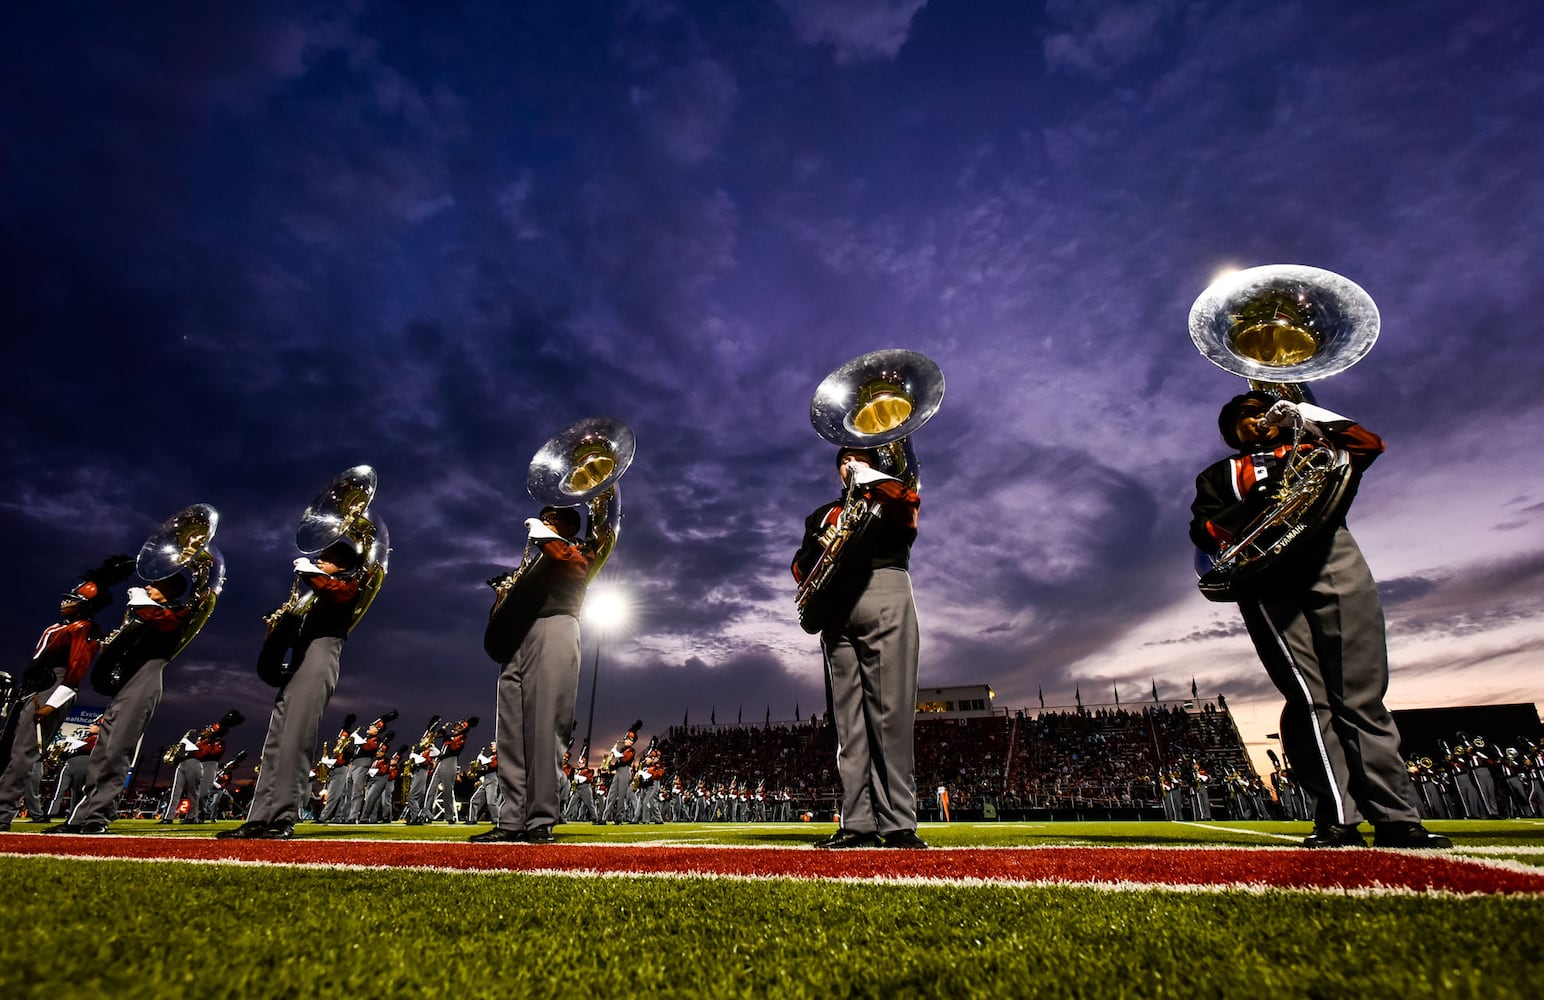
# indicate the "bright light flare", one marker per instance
pixel 607 608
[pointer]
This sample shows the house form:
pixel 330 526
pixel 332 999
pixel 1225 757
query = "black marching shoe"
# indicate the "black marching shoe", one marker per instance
pixel 1334 835
pixel 276 831
pixel 843 839
pixel 498 835
pixel 540 835
pixel 66 828
pixel 905 839
pixel 1408 835
pixel 253 830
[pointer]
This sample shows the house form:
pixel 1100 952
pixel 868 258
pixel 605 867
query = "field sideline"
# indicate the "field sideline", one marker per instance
pixel 338 916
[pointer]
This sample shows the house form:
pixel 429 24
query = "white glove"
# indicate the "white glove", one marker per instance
pixel 537 528
pixel 306 567
pixel 139 597
pixel 865 474
pixel 1283 413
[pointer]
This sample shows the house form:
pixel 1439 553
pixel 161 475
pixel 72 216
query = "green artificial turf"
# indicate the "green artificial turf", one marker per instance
pixel 129 928
pixel 153 929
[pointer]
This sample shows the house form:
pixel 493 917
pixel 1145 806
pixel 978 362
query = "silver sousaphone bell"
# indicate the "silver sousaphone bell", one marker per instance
pixel 342 512
pixel 581 464
pixel 1281 326
pixel 877 401
pixel 182 547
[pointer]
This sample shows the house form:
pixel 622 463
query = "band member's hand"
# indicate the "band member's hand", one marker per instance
pixel 139 597
pixel 1283 413
pixel 43 712
pixel 306 567
pixel 535 527
pixel 863 475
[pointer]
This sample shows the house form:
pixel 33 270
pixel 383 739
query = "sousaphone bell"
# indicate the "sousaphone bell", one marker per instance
pixel 179 557
pixel 1281 326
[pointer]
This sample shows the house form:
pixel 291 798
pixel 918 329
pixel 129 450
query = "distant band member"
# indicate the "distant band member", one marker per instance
pixel 335 577
pixel 160 613
pixel 870 648
pixel 1317 625
pixel 442 783
pixel 533 634
pixel 64 655
pixel 72 774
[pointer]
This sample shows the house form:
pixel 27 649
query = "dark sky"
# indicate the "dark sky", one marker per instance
pixel 244 247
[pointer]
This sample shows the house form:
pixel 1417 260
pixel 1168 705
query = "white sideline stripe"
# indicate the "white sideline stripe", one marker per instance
pixel 1219 888
pixel 1252 833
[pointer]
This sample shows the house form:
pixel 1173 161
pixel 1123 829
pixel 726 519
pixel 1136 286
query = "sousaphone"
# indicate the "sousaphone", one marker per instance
pixel 580 465
pixel 340 513
pixel 179 555
pixel 1282 326
pixel 875 402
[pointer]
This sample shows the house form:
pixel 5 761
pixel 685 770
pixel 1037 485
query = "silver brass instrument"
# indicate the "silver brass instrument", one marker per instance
pixel 182 546
pixel 579 465
pixel 1281 326
pixel 875 401
pixel 341 512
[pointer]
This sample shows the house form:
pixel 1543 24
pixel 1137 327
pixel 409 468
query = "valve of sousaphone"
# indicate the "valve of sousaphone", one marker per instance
pixel 1284 324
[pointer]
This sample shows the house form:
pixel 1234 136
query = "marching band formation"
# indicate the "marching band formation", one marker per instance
pixel 1270 521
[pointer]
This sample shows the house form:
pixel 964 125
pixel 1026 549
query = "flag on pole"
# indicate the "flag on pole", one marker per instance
pixel 684 716
pixel 1155 692
pixel 769 715
pixel 739 715
pixel 1116 689
pixel 796 712
pixel 1077 693
pixel 1042 697
pixel 713 716
pixel 1194 693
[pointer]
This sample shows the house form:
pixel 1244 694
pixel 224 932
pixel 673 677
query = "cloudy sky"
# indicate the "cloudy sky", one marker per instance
pixel 242 251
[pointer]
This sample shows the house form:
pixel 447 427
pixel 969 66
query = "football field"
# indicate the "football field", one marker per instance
pixel 993 909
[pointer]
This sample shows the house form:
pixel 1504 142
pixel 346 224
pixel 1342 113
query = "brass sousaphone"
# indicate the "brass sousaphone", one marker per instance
pixel 876 401
pixel 180 547
pixel 1281 326
pixel 340 512
pixel 580 465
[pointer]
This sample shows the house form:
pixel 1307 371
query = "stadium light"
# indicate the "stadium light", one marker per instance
pixel 607 609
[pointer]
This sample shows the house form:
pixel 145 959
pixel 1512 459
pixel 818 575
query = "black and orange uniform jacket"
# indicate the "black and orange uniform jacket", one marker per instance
pixel 553 584
pixel 64 655
pixel 886 545
pixel 210 746
pixel 333 612
pixel 165 623
pixel 1232 493
pixel 455 739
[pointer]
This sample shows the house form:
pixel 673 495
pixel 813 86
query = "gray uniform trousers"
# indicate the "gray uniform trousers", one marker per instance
pixel 442 786
pixel 337 795
pixel 292 728
pixel 72 783
pixel 617 795
pixel 537 692
pixel 377 807
pixel 871 669
pixel 417 795
pixel 123 726
pixel 18 781
pixel 206 789
pixel 358 782
pixel 186 781
pixel 1327 654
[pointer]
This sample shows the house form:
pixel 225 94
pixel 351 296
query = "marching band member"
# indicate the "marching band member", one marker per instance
pixel 442 784
pixel 72 774
pixel 64 655
pixel 376 807
pixel 1317 625
pixel 211 747
pixel 334 577
pixel 870 654
pixel 163 610
pixel 365 744
pixel 619 787
pixel 533 634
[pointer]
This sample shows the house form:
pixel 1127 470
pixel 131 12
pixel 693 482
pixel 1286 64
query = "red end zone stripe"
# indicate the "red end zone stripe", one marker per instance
pixel 1284 868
